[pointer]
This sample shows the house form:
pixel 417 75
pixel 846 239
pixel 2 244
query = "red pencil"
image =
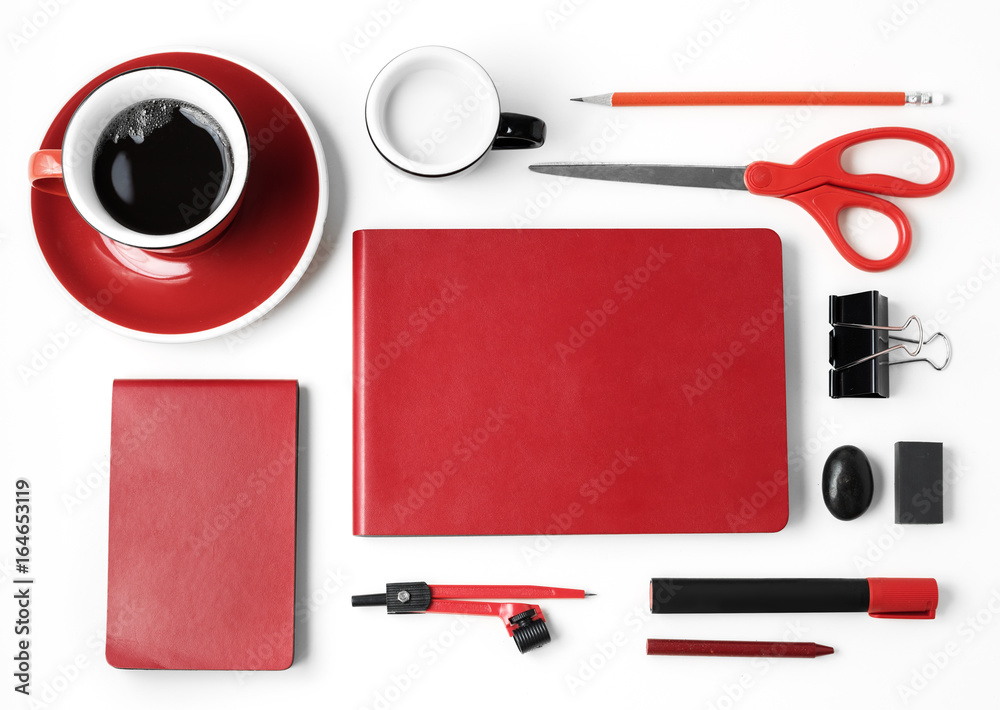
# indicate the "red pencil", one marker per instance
pixel 761 649
pixel 764 98
pixel 504 591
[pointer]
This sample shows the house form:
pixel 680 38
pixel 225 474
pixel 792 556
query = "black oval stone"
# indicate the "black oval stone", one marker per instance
pixel 848 483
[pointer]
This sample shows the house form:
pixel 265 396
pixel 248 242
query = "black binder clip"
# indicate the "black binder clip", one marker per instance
pixel 860 345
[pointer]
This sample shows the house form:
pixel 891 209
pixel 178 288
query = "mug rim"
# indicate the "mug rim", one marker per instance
pixel 101 220
pixel 378 87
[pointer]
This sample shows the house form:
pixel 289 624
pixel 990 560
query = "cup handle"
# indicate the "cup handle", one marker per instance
pixel 519 131
pixel 45 171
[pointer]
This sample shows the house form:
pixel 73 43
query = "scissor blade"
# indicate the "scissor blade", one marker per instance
pixel 723 178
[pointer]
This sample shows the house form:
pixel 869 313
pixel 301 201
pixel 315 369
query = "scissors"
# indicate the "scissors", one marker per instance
pixel 817 182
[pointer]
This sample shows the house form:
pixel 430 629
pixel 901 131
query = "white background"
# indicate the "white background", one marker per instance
pixel 55 424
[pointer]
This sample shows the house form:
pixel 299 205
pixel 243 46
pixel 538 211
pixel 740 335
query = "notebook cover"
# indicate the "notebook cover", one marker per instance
pixel 201 548
pixel 568 381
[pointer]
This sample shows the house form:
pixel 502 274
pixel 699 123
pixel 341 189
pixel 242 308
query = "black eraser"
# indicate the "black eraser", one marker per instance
pixel 919 482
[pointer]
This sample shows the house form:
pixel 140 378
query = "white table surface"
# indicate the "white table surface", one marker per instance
pixel 55 424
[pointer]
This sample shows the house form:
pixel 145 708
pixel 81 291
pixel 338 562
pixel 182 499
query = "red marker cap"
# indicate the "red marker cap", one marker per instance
pixel 902 598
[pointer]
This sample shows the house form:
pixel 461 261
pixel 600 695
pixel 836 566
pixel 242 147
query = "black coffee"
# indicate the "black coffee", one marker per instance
pixel 162 166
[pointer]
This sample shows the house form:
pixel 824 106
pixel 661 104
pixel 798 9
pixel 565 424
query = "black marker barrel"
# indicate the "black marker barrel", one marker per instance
pixel 678 595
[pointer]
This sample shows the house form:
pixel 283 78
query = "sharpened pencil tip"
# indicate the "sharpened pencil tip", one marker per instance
pixel 600 99
pixel 822 650
pixel 589 594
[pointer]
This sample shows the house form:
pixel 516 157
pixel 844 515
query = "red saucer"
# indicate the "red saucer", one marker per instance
pixel 241 275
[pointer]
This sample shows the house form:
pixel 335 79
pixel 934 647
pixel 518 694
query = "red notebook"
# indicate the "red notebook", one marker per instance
pixel 201 548
pixel 521 382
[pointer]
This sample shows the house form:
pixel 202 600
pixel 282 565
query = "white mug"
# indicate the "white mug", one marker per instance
pixel 434 112
pixel 69 171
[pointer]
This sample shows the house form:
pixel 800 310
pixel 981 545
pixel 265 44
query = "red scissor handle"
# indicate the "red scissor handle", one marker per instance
pixel 825 204
pixel 822 166
pixel 820 185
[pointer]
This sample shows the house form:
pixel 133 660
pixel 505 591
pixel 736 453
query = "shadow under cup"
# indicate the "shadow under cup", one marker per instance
pixel 434 112
pixel 133 158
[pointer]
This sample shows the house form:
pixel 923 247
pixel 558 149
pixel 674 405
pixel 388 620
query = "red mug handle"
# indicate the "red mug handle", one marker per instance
pixel 45 171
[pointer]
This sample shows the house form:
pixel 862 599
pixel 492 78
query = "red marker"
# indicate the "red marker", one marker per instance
pixel 881 597
pixel 758 649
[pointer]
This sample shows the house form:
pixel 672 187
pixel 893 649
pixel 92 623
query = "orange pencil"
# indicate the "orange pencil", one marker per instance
pixel 764 98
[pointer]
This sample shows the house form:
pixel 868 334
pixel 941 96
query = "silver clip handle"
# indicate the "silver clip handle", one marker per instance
pixel 935 336
pixel 893 328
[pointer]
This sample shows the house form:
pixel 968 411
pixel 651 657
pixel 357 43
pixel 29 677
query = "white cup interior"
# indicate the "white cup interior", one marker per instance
pixel 120 92
pixel 432 111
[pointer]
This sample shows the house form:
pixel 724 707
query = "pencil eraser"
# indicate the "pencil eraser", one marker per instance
pixel 919 482
pixel 937 99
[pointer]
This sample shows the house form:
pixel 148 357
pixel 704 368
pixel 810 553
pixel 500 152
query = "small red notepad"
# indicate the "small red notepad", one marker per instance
pixel 525 382
pixel 201 548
